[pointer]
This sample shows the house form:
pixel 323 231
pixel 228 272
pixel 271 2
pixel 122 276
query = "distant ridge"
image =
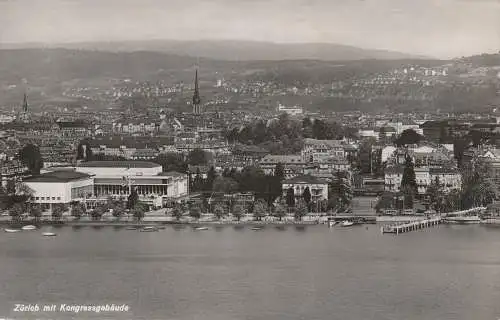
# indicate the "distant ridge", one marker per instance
pixel 230 50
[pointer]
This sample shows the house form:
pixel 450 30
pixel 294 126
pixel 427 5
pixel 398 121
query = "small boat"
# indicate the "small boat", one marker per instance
pixel 347 223
pixel 131 228
pixel 12 230
pixel 201 228
pixel 149 229
pixel 331 224
pixel 49 234
pixel 160 227
pixel 462 219
pixel 257 228
pixel 29 227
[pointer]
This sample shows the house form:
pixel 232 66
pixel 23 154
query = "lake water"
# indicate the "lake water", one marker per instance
pixel 449 272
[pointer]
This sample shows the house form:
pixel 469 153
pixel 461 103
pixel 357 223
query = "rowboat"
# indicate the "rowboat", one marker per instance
pixel 49 234
pixel 12 230
pixel 149 229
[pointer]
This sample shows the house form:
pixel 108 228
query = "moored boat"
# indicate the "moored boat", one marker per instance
pixel 49 234
pixel 149 229
pixel 462 219
pixel 9 230
pixel 29 227
pixel 347 223
pixel 201 228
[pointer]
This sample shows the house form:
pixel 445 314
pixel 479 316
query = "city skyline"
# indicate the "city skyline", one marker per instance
pixel 442 29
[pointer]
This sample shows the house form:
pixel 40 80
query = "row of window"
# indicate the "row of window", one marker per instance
pixel 47 198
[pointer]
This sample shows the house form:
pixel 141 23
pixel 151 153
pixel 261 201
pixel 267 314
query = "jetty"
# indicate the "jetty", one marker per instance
pixel 398 228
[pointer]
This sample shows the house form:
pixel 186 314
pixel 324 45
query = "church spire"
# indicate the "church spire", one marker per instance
pixel 196 95
pixel 25 103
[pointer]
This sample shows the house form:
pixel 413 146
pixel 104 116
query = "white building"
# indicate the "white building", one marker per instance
pixel 318 187
pixel 60 187
pixel 293 111
pixel 449 178
pixel 118 178
pixel 322 150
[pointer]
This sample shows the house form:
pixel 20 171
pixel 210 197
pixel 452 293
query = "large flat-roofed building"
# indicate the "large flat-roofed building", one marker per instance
pixel 118 178
pixel 58 187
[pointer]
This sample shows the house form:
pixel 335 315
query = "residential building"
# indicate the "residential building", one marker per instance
pixel 322 150
pixel 449 178
pixel 317 186
pixel 293 165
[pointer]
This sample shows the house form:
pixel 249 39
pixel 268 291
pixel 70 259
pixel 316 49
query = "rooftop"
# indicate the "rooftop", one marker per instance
pixel 119 164
pixel 58 176
pixel 305 179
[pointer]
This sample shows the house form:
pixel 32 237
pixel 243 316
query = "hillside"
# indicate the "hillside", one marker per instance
pixel 238 50
pixel 55 65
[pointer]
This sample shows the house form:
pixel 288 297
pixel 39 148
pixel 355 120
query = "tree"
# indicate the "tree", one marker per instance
pixel 98 212
pixel 36 211
pixel 408 136
pixel 172 162
pixel 133 199
pixel 177 213
pixel 306 195
pixel 138 211
pixel 78 210
pixel 280 211
pixel 17 211
pixel 340 190
pixel 30 156
pixel 435 191
pixel 259 210
pixel 197 184
pixel 408 182
pixel 238 211
pixel 300 210
pixel 290 197
pixel 211 176
pixel 385 201
pixel 197 157
pixel 84 152
pixel 478 188
pixel 118 209
pixel 279 172
pixel 219 211
pixel 194 211
pixel 225 185
pixel 57 211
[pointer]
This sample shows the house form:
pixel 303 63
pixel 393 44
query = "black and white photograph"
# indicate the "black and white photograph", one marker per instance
pixel 249 159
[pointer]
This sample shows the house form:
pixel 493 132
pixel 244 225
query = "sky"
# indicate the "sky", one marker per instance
pixel 437 28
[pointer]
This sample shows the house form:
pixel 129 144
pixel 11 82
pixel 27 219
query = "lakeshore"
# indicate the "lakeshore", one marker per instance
pixel 155 221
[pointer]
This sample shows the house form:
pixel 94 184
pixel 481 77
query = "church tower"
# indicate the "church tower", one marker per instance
pixel 25 103
pixel 196 96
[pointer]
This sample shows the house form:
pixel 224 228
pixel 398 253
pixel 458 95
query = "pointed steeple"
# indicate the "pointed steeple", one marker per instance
pixel 25 103
pixel 196 95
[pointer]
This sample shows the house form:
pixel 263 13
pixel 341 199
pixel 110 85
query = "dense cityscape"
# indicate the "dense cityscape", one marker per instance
pixel 250 149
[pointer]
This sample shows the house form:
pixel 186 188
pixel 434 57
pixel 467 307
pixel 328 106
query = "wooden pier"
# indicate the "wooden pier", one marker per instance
pixel 398 228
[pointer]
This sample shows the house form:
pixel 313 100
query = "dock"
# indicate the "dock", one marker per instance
pixel 398 228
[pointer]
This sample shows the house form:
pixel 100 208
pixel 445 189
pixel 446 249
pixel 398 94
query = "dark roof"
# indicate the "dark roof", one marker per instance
pixel 306 179
pixel 119 164
pixel 58 176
